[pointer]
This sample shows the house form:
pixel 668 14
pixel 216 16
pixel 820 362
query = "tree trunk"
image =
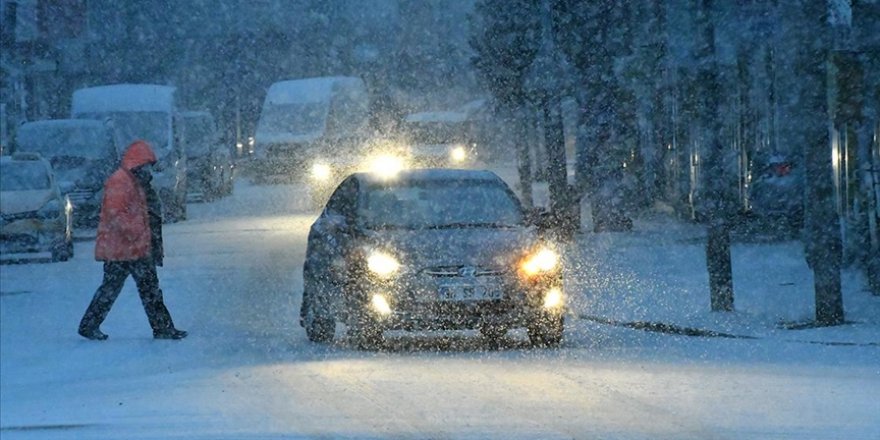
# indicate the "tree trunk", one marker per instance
pixel 555 149
pixel 524 157
pixel 563 201
pixel 716 198
pixel 822 224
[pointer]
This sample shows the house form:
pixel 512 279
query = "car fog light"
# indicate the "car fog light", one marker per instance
pixel 553 298
pixel 380 305
pixel 320 171
pixel 458 154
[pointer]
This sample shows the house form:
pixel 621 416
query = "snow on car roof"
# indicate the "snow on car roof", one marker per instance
pixel 54 124
pixel 442 116
pixel 123 97
pixel 308 89
pixel 430 174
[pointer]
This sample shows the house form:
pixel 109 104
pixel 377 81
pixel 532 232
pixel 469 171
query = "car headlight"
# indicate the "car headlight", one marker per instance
pixel 321 171
pixel 50 210
pixel 382 264
pixel 543 261
pixel 458 154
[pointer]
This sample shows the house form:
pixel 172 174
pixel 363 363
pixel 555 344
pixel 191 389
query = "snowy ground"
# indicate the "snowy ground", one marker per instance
pixel 232 278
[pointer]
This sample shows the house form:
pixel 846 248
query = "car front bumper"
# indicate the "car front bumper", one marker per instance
pixel 32 235
pixel 414 303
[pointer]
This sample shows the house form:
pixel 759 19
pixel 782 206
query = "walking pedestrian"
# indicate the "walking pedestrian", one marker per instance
pixel 129 242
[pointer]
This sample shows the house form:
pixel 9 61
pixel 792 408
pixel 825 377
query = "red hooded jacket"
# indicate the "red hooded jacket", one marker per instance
pixel 124 226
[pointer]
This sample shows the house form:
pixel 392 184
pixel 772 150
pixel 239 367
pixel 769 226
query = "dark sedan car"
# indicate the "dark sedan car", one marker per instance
pixel 776 193
pixel 429 250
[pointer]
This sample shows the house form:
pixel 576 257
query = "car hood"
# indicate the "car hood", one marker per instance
pixel 17 202
pixel 496 248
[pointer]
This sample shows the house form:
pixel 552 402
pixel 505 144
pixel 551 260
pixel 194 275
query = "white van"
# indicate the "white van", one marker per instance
pixel 148 112
pixel 310 117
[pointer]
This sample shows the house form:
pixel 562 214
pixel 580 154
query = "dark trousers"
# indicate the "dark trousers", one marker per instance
pixel 115 272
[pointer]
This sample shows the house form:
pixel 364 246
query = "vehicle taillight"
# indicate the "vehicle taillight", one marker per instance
pixel 782 169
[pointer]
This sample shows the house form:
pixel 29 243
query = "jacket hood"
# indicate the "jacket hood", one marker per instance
pixel 137 154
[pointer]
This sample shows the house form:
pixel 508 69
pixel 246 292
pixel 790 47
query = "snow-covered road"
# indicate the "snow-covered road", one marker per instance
pixel 232 278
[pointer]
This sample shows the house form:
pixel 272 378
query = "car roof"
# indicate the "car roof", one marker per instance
pixel 63 124
pixel 428 175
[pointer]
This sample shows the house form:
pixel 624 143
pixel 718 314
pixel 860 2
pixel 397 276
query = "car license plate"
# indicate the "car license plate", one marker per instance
pixel 468 292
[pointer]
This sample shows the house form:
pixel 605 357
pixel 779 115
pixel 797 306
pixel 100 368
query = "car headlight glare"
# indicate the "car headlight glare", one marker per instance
pixel 386 166
pixel 458 154
pixel 321 171
pixel 382 265
pixel 543 261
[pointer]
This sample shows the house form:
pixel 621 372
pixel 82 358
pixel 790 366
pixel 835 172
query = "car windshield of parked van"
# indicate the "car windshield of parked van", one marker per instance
pixel 87 141
pixel 23 176
pixel 199 136
pixel 435 133
pixel 294 118
pixel 152 127
pixel 439 204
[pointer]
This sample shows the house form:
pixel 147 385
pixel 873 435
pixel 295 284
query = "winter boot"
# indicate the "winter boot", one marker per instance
pixel 170 333
pixel 92 333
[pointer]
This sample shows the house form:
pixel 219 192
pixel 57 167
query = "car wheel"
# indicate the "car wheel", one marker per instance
pixel 546 330
pixel 319 324
pixel 63 253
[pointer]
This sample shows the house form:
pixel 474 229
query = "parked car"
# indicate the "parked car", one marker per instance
pixel 146 112
pixel 306 119
pixel 34 215
pixel 429 250
pixel 776 191
pixel 210 167
pixel 440 139
pixel 82 153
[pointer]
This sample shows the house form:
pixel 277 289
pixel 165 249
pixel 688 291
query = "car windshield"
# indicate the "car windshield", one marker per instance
pixel 23 176
pixel 294 118
pixel 152 127
pixel 426 133
pixel 199 136
pixel 90 142
pixel 439 204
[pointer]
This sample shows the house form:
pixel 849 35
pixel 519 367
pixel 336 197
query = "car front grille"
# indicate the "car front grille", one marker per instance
pixel 462 271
